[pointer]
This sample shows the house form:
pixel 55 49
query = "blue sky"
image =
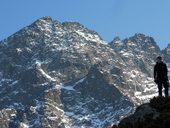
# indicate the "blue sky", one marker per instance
pixel 109 18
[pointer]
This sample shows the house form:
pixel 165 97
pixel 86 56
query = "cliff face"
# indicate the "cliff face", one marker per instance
pixel 56 74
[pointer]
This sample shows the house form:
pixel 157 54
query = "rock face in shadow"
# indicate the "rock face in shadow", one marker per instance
pixel 155 114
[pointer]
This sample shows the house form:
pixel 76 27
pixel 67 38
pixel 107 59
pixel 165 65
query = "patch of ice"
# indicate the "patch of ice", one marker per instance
pixel 62 86
pixel 69 113
pixel 90 37
pixel 53 118
pixel 13 115
pixel 24 125
pixel 13 83
pixel 43 73
pixel 59 109
pixel 80 81
pixel 18 50
pixel 138 93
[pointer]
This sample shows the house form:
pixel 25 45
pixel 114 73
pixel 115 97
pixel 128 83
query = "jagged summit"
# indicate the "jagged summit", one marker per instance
pixel 138 42
pixel 71 25
pixel 116 41
pixel 166 53
pixel 140 36
pixel 77 26
pixel 140 39
pixel 46 19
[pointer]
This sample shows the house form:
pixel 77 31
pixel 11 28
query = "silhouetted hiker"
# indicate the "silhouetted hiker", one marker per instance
pixel 161 76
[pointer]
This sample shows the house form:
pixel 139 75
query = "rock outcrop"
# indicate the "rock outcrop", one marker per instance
pixel 155 114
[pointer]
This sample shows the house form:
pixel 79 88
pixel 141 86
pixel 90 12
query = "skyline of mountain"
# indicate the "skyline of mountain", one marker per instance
pixel 109 18
pixel 56 74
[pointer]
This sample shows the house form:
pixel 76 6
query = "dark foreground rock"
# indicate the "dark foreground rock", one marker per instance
pixel 155 114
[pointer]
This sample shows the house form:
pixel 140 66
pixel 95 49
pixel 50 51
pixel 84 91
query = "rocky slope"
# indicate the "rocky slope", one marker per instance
pixel 56 74
pixel 151 115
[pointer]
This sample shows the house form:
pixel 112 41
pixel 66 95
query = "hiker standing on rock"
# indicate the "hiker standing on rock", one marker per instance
pixel 161 76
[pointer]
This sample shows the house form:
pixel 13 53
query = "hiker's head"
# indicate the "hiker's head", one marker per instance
pixel 159 59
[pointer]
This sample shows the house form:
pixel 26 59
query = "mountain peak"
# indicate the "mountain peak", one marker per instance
pixel 77 26
pixel 168 47
pixel 43 22
pixel 140 37
pixel 45 18
pixel 116 41
pixel 72 24
pixel 141 40
pixel 137 35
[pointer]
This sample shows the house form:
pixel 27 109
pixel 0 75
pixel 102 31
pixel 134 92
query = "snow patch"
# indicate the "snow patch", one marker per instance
pixel 24 125
pixel 43 73
pixel 62 86
pixel 80 81
pixel 90 37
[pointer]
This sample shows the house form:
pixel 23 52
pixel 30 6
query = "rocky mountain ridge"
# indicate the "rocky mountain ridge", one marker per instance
pixel 64 75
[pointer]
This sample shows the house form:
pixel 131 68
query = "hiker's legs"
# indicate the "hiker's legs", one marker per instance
pixel 166 88
pixel 160 88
